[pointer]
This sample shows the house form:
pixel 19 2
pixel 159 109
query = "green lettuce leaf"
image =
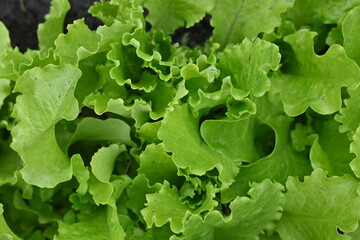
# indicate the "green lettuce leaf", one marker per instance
pixel 350 30
pixel 349 115
pixel 355 148
pixel 137 192
pixel 157 166
pixel 317 207
pixel 10 163
pixel 5 231
pixel 306 82
pixel 81 173
pixel 235 20
pixel 5 90
pixel 47 97
pixel 102 165
pixel 189 150
pixel 164 206
pixel 232 138
pixel 284 160
pixel 248 65
pixel 4 39
pixel 330 150
pixel 97 225
pixel 110 130
pixel 48 31
pixel 171 14
pixel 77 44
pixel 248 218
pixel 306 12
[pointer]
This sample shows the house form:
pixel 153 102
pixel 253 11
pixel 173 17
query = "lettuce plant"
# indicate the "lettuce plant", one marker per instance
pixel 118 133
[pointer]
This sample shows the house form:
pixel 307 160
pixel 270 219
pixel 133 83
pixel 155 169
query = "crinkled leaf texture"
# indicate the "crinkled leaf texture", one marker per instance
pixel 49 30
pixel 235 20
pixel 77 44
pixel 355 148
pixel 248 217
pixel 248 65
pixel 181 137
pixel 317 207
pixel 349 115
pixel 309 12
pixel 351 33
pixel 163 207
pixel 171 14
pixel 47 96
pixel 310 80
pixel 95 226
pixel 330 150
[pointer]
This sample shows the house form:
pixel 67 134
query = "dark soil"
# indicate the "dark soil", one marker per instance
pixel 22 22
pixel 196 35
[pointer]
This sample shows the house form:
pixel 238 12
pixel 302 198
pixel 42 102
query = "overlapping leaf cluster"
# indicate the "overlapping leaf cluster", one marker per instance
pixel 119 134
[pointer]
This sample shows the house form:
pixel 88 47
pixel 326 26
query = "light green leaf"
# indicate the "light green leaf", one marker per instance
pixel 112 34
pixel 302 136
pixel 48 31
pixel 95 226
pixel 286 28
pixel 232 138
pixel 128 69
pixel 79 43
pixel 305 12
pixel 139 110
pixel 180 134
pixel 283 161
pixel 47 97
pixel 237 106
pixel 111 11
pixel 4 39
pixel 81 173
pixel 163 207
pixel 355 148
pixel 196 79
pixel 5 231
pixel 171 14
pixel 157 166
pixel 12 64
pixel 335 36
pixel 235 20
pixel 137 192
pixel 315 208
pixel 106 11
pixel 5 90
pixel 10 163
pixel 315 81
pixel 111 129
pixel 355 235
pixel 102 165
pixel 92 78
pixel 349 115
pixel 330 150
pixel 149 131
pixel 248 218
pixel 160 98
pixel 248 65
pixel 351 33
